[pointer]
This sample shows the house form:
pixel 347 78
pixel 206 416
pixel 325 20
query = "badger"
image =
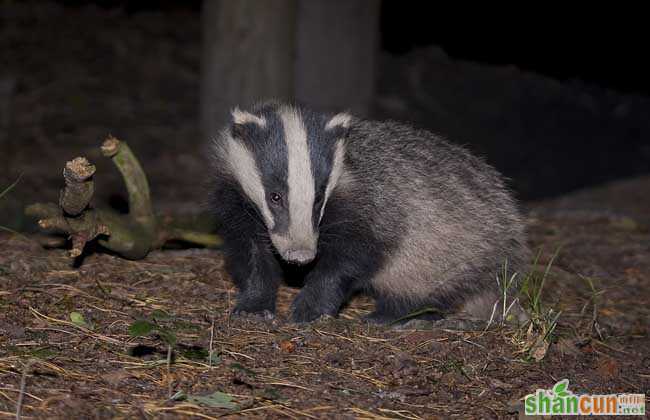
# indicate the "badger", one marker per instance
pixel 382 208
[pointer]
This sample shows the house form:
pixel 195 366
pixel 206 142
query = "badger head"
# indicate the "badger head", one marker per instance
pixel 286 161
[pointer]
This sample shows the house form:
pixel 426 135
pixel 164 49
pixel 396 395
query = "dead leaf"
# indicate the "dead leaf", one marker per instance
pixel 116 377
pixel 287 346
pixel 539 349
pixel 608 367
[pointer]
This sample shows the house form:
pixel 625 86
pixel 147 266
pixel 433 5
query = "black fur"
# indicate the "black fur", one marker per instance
pixel 247 251
pixel 348 255
pixel 365 225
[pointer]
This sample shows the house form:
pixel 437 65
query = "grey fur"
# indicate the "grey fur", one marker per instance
pixel 423 221
pixel 450 213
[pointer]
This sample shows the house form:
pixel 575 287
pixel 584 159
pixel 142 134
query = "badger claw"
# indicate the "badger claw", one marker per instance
pixel 306 309
pixel 262 315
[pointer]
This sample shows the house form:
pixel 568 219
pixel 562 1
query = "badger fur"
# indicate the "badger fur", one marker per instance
pixel 374 207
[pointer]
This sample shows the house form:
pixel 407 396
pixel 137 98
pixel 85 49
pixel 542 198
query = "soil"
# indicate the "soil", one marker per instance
pixel 334 368
pixel 65 344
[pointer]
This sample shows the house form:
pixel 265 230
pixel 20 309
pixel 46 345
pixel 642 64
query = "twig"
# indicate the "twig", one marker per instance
pixel 211 341
pixel 79 187
pixel 192 236
pixel 23 384
pixel 10 187
pixel 132 236
pixel 169 370
pixel 85 331
pixel 134 178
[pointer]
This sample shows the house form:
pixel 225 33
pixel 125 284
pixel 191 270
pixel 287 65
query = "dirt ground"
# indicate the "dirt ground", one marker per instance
pixel 66 350
pixel 336 368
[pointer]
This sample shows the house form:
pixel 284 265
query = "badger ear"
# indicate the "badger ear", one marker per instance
pixel 240 117
pixel 241 123
pixel 342 120
pixel 339 124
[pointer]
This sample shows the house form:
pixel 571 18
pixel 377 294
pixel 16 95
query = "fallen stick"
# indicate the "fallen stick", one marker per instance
pixel 132 235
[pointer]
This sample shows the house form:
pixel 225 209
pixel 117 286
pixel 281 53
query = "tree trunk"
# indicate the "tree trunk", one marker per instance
pixel 337 42
pixel 7 86
pixel 248 56
pixel 320 53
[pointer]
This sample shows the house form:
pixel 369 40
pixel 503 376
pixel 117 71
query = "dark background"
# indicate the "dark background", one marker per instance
pixel 605 46
pixel 555 99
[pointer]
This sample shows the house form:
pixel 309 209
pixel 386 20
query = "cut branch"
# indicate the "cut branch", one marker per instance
pixel 134 178
pixel 133 235
pixel 79 186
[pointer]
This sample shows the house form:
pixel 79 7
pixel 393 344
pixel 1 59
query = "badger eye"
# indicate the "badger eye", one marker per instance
pixel 276 198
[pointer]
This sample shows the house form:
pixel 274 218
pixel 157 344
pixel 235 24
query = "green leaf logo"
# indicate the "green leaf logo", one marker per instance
pixel 560 388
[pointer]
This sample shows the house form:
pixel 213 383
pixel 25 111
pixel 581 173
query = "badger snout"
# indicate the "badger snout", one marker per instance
pixel 300 256
pixel 296 249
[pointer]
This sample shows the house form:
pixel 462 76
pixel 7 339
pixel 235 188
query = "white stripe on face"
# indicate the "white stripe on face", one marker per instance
pixel 242 165
pixel 300 181
pixel 337 169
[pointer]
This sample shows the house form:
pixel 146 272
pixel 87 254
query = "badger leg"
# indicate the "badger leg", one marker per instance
pixel 349 254
pixel 323 294
pixel 392 310
pixel 256 274
pixel 343 267
pixel 469 295
pixel 248 256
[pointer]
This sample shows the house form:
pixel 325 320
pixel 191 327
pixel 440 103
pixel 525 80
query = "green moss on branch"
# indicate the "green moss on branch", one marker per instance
pixel 133 235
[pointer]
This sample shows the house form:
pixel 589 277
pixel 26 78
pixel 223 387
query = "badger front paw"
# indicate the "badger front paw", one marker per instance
pixel 307 308
pixel 254 309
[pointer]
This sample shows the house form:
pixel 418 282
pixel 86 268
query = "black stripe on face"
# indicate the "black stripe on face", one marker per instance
pixel 321 150
pixel 268 146
pixel 269 150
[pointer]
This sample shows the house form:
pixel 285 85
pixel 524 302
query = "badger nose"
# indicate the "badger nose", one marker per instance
pixel 300 256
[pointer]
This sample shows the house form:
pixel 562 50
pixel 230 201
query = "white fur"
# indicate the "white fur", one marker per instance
pixel 339 120
pixel 335 175
pixel 300 181
pixel 243 117
pixel 243 166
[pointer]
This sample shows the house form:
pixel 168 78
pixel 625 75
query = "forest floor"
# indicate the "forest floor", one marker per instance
pixel 65 333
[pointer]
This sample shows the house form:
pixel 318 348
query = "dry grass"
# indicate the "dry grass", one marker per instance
pixel 52 367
